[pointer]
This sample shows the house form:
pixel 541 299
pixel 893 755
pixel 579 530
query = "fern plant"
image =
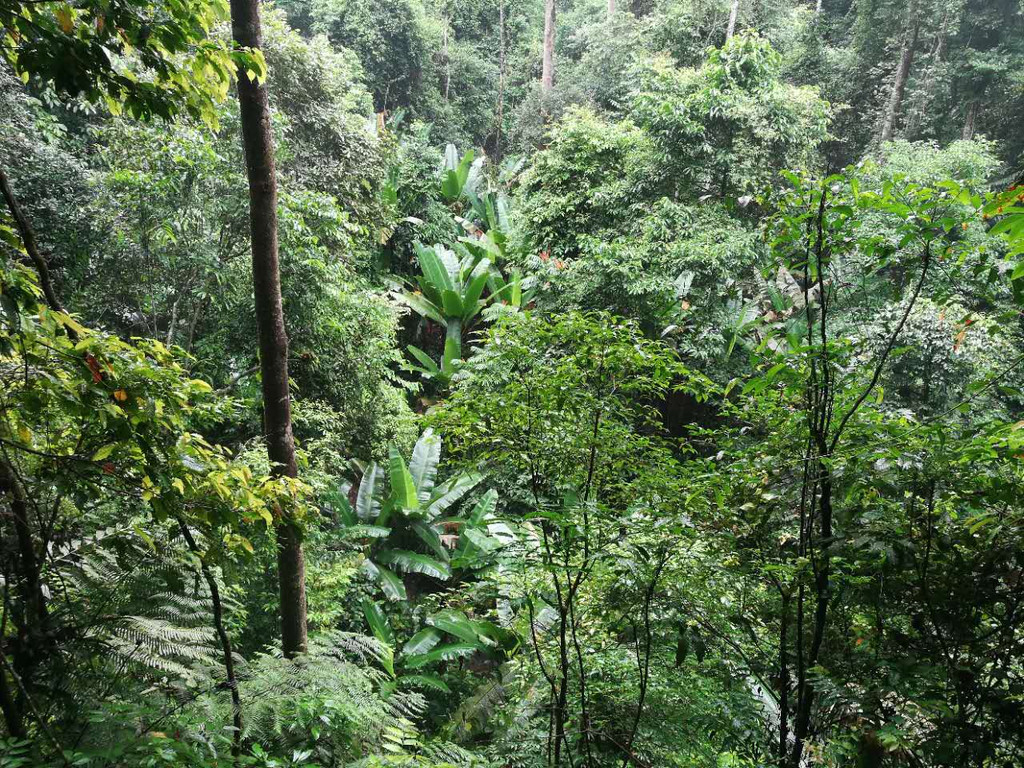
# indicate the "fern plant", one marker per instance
pixel 126 611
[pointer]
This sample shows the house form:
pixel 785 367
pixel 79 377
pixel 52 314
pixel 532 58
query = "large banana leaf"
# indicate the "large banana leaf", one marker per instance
pixel 378 622
pixel 455 623
pixel 367 502
pixel 434 269
pixel 336 499
pixel 391 585
pixel 481 540
pixel 431 538
pixel 471 299
pixel 414 562
pixel 456 175
pixel 449 261
pixel 452 304
pixel 403 490
pixel 423 464
pixel 443 653
pixel 498 637
pixel 429 369
pixel 484 508
pixel 450 493
pixel 423 306
pixel 366 532
pixel 422 642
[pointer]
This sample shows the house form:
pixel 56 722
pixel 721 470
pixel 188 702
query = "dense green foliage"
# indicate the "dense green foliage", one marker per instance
pixel 665 416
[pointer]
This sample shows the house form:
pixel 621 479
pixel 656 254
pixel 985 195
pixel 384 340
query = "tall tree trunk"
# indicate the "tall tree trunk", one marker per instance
pixel 30 616
pixel 446 56
pixel 927 93
pixel 899 86
pixel 611 9
pixel 733 13
pixel 500 112
pixel 817 8
pixel 969 120
pixel 258 142
pixel 28 238
pixel 547 78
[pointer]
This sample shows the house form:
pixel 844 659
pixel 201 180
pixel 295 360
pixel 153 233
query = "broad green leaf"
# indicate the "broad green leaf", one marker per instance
pixel 481 540
pixel 419 304
pixel 443 653
pixel 452 303
pixel 434 269
pixel 391 585
pixel 366 532
pixel 378 622
pixel 423 464
pixel 455 623
pixel 471 300
pixel 367 503
pixel 430 537
pixel 428 365
pixel 484 508
pixel 414 562
pixel 422 641
pixel 403 490
pixel 450 493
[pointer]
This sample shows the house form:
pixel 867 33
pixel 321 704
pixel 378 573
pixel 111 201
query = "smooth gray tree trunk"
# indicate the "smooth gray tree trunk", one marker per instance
pixel 547 78
pixel 733 13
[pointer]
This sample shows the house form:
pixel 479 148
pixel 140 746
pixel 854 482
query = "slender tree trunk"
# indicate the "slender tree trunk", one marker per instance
pixel 223 636
pixel 28 238
pixel 500 112
pixel 969 120
pixel 899 86
pixel 172 326
pixel 784 681
pixel 733 13
pixel 927 93
pixel 446 56
pixel 817 8
pixel 13 719
pixel 277 422
pixel 611 9
pixel 32 617
pixel 547 78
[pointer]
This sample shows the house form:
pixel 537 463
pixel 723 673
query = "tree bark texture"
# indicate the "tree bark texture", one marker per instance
pixel 28 238
pixel 734 11
pixel 547 78
pixel 258 142
pixel 899 85
pixel 969 121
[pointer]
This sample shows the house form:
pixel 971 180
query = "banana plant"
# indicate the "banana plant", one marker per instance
pixel 451 293
pixel 514 291
pixel 412 527
pixel 463 181
pixel 456 172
